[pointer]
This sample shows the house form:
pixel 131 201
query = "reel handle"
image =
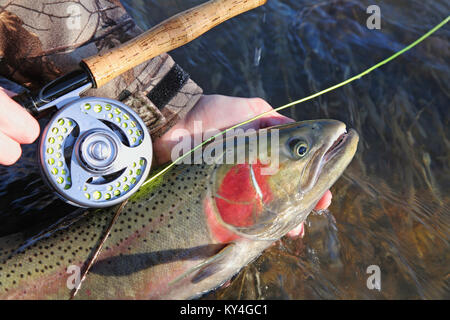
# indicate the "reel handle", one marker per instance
pixel 166 36
pixel 60 90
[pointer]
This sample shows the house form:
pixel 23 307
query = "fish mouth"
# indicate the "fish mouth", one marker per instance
pixel 334 145
pixel 338 145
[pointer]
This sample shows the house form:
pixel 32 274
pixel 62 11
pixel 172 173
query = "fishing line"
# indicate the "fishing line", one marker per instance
pixel 291 104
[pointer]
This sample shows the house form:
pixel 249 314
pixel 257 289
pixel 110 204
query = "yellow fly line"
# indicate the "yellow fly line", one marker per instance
pixel 422 38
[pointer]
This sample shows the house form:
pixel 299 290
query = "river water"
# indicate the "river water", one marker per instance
pixel 391 208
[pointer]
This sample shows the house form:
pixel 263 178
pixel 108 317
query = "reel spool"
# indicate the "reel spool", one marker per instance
pixel 95 152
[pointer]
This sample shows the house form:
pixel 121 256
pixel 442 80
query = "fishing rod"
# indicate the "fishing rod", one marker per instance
pixel 96 152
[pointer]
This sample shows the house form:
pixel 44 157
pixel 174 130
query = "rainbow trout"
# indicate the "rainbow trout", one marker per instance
pixel 192 231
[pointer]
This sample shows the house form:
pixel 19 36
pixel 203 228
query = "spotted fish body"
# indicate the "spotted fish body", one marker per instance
pixel 187 235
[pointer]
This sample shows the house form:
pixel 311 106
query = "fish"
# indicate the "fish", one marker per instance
pixel 193 229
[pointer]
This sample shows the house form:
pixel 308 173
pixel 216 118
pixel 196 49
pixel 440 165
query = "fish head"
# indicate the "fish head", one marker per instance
pixel 310 156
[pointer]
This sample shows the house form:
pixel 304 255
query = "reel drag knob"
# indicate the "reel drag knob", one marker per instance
pixel 95 152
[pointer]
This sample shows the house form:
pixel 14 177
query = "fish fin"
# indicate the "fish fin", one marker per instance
pixel 207 267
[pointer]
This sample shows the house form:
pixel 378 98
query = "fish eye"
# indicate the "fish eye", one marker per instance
pixel 299 148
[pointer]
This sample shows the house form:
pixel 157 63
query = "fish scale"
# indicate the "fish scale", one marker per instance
pixel 48 259
pixel 171 239
pixel 7 247
pixel 158 222
pixel 161 228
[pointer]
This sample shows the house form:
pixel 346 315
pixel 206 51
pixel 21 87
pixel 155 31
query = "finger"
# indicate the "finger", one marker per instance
pixel 325 201
pixel 323 204
pixel 15 122
pixel 269 121
pixel 9 150
pixel 298 231
pixel 273 118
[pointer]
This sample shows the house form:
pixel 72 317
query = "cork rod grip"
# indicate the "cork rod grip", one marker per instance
pixel 166 36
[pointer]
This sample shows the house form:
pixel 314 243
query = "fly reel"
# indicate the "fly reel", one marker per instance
pixel 95 152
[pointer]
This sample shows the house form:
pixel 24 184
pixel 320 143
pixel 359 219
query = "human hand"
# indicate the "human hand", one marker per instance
pixel 217 112
pixel 221 112
pixel 17 127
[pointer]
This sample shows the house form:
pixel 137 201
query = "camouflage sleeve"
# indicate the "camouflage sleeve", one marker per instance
pixel 41 40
